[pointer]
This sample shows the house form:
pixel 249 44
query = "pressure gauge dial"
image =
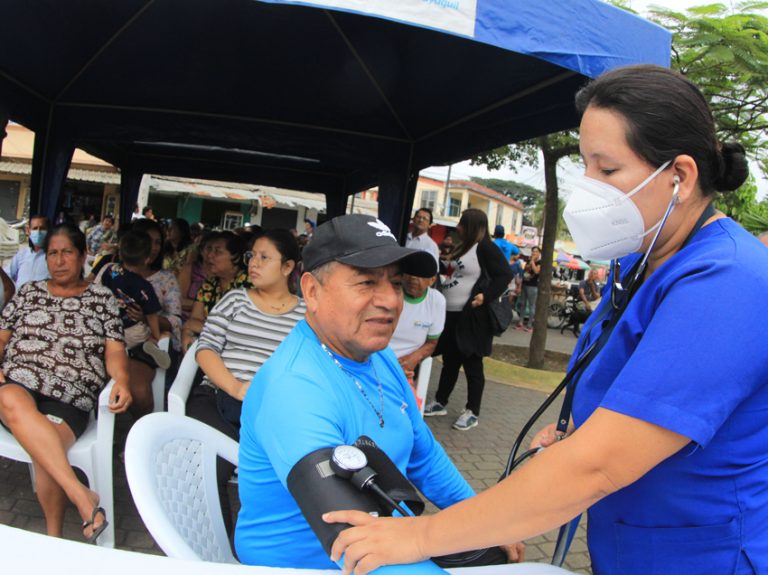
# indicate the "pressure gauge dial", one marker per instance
pixel 346 460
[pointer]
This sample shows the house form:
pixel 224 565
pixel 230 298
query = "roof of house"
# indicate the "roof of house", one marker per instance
pixel 485 191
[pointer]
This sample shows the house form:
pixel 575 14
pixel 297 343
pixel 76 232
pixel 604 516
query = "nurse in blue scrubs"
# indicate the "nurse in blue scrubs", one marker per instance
pixel 667 445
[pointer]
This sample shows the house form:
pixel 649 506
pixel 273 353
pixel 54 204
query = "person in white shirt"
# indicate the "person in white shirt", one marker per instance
pixel 420 324
pixel 29 262
pixel 418 238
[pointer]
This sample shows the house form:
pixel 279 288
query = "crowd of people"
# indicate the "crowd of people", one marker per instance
pixel 310 341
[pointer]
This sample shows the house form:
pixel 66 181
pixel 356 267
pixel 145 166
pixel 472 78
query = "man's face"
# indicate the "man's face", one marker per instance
pixel 420 223
pixel 415 286
pixel 106 223
pixel 37 224
pixel 354 311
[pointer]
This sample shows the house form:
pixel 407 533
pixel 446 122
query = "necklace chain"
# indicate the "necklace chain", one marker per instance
pixel 379 413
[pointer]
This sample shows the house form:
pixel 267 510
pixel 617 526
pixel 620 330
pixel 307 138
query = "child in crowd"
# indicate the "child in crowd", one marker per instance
pixel 131 289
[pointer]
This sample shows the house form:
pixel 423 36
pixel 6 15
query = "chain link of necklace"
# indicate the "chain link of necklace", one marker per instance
pixel 380 414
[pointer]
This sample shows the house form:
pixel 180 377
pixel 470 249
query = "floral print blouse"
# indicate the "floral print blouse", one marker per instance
pixel 57 344
pixel 211 291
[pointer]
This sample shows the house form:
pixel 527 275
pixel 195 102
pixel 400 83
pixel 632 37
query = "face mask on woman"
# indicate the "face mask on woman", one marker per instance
pixel 604 222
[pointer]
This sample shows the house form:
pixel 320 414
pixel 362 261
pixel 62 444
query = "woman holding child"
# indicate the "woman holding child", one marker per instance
pixel 61 339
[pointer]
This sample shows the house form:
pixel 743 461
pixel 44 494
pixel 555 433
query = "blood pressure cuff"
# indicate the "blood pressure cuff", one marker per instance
pixel 389 478
pixel 318 490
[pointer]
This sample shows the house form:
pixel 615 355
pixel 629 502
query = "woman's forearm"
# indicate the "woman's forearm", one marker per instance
pixel 213 367
pixel 609 452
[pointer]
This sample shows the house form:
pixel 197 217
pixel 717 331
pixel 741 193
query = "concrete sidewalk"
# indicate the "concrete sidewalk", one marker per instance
pixel 480 454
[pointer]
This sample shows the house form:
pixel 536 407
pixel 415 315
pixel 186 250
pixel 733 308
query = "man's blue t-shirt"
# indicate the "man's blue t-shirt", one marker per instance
pixel 506 247
pixel 301 401
pixel 689 354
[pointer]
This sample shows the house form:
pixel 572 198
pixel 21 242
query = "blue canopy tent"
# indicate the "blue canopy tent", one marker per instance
pixel 330 97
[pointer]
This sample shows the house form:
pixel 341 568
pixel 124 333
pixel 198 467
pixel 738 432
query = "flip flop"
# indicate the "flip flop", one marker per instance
pixel 96 530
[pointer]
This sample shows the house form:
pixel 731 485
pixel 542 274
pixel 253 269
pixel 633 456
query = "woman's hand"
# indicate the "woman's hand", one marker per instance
pixel 135 312
pixel 515 552
pixel 377 541
pixel 188 337
pixel 478 300
pixel 120 397
pixel 241 390
pixel 546 437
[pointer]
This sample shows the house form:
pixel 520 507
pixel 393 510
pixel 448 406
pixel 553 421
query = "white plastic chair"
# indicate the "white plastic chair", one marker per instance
pixel 170 462
pixel 92 453
pixel 422 382
pixel 179 392
pixel 158 383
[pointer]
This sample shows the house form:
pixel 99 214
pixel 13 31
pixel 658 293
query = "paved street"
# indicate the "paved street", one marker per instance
pixel 480 454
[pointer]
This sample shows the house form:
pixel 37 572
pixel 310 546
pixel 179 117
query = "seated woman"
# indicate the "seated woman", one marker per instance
pixel 240 334
pixel 224 256
pixel 167 291
pixel 60 341
pixel 179 253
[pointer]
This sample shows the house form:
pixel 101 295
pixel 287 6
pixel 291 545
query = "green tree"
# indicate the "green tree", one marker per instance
pixel 551 149
pixel 724 51
pixel 532 199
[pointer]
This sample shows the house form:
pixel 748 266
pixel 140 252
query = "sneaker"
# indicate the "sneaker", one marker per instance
pixel 528 329
pixel 466 420
pixel 162 359
pixel 435 408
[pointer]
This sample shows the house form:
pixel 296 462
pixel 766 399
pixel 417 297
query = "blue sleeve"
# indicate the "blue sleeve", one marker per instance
pixel 286 438
pixel 687 373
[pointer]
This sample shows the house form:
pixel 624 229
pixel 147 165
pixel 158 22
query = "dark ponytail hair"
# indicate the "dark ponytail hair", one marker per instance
pixel 667 115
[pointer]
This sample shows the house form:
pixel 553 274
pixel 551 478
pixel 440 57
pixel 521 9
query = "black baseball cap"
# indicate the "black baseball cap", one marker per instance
pixel 363 242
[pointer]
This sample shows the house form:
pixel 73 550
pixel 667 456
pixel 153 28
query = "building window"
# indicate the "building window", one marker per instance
pixel 499 215
pixel 428 199
pixel 454 207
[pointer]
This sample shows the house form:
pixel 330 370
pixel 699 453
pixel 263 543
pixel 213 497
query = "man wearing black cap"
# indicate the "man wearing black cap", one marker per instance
pixel 332 380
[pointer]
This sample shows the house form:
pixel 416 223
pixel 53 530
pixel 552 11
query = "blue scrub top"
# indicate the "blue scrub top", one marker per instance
pixel 690 354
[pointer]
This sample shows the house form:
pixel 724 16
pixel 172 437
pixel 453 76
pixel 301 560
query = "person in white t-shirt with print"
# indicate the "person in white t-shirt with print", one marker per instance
pixel 420 324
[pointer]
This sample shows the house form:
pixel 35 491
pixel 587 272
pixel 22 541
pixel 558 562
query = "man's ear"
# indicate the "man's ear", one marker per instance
pixel 309 291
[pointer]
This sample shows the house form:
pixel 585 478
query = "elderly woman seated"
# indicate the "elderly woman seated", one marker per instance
pixel 60 341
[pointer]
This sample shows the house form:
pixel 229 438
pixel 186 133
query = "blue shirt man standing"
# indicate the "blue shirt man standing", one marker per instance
pixel 507 248
pixel 29 262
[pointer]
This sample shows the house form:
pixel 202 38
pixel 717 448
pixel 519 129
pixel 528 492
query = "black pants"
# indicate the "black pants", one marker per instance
pixel 202 405
pixel 453 360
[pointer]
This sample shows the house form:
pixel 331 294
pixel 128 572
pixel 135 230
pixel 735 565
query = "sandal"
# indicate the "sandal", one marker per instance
pixel 96 530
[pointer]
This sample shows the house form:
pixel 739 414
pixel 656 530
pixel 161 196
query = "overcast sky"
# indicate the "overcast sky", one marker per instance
pixel 535 178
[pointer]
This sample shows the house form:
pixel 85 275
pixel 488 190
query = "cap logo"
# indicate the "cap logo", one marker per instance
pixel 383 229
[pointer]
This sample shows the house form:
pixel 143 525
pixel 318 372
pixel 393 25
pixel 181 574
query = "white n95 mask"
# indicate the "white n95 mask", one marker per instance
pixel 604 222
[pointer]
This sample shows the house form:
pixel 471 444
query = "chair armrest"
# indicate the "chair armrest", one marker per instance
pixel 182 385
pixel 105 421
pixel 422 383
pixel 158 381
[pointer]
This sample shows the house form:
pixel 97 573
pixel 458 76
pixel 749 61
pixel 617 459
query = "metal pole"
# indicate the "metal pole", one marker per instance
pixel 445 194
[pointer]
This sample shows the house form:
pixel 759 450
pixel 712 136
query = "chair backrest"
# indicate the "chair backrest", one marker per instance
pixel 179 392
pixel 170 462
